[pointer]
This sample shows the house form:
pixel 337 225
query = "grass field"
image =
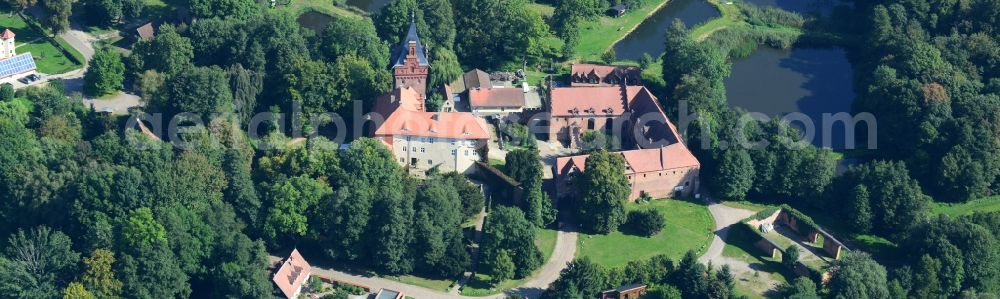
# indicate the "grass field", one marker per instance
pixel 689 227
pixel 739 245
pixel 48 58
pixel 597 36
pixel 297 7
pixel 480 286
pixel 433 284
pixel 988 204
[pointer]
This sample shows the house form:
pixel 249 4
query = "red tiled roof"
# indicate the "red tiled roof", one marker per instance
pixel 571 101
pixel 476 79
pixel 638 161
pixel 496 97
pixel 292 274
pixel 406 117
pixel 145 31
pixel 7 34
pixel 459 125
pixel 602 71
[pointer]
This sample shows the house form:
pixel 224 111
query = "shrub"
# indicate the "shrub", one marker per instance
pixel 790 256
pixel 6 92
pixel 645 222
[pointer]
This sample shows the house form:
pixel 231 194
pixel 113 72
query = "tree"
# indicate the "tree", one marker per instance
pixel 240 192
pixel 604 191
pixel 245 85
pixel 735 174
pixel 507 229
pixel 645 61
pixel 472 198
pixel 859 205
pixel 663 292
pixel 21 5
pixel 800 288
pixel 609 56
pixel 580 277
pixel 38 263
pixel 98 276
pixel 356 36
pixel 790 257
pixel 198 90
pixel 106 73
pixel 647 222
pixel 440 18
pixel 58 14
pixel 393 20
pixel 238 9
pixel 926 283
pixel 77 291
pixel 444 67
pixel 6 92
pixel 168 52
pixel 856 275
pixel 305 82
pixel 495 31
pixel 292 201
pixel 895 200
pixel 502 268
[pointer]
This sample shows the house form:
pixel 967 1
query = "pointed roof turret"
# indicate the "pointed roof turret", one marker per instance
pixel 7 34
pixel 404 47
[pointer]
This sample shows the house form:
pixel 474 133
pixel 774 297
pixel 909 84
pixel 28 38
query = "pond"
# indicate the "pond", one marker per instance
pixel 316 21
pixel 368 5
pixel 648 37
pixel 813 81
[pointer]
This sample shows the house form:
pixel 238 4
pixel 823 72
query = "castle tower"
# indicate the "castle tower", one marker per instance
pixel 410 66
pixel 7 44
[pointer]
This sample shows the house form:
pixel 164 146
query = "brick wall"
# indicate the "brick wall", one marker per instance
pixel 661 184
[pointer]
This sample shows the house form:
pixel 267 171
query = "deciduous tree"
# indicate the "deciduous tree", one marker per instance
pixel 105 74
pixel 603 192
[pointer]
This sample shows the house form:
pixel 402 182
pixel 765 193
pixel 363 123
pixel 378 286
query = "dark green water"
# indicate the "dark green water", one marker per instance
pixel 648 37
pixel 316 21
pixel 368 5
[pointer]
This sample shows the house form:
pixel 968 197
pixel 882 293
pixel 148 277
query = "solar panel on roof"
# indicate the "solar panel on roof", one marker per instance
pixel 17 65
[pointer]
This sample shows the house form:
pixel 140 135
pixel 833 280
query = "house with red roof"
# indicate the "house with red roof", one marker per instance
pixel 657 163
pixel 292 274
pixel 585 74
pixel 420 139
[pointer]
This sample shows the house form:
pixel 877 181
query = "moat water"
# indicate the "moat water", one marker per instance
pixel 648 37
pixel 811 81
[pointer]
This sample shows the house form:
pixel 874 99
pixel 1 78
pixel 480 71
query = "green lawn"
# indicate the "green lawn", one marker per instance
pixel 988 204
pixel 689 227
pixel 597 36
pixel 479 285
pixel 433 284
pixel 328 7
pixel 48 58
pixel 739 245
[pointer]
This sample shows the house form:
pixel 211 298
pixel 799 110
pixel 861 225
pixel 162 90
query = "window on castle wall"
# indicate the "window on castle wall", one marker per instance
pixel 687 183
pixel 590 124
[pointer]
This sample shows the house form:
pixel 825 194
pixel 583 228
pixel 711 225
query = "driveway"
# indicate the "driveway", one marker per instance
pixel 563 253
pixel 726 216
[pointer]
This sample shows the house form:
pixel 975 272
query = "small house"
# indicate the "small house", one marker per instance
pixel 292 274
pixel 632 291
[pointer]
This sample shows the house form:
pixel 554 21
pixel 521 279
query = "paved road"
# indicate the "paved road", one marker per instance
pixel 563 253
pixel 726 216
